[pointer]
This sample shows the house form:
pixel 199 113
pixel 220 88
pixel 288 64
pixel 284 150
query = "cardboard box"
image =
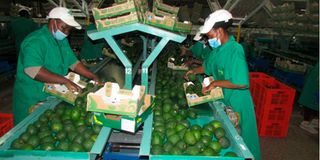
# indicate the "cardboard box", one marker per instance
pixel 194 99
pixel 126 123
pixel 113 100
pixel 164 7
pixel 161 22
pixel 185 27
pixel 61 91
pixel 288 65
pixel 115 10
pixel 132 11
pixel 174 67
pixel 158 12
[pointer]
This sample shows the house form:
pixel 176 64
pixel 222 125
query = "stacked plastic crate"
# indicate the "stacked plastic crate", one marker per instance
pixel 273 102
pixel 6 123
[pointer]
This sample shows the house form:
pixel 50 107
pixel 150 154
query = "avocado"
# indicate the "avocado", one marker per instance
pixel 209 127
pixel 167 147
pixel 156 149
pixel 63 146
pixel 181 145
pixel 32 129
pixel 48 139
pixel 27 146
pixel 192 114
pixel 61 135
pixel 180 127
pixel 16 144
pixel 173 139
pixel 78 139
pixel 192 150
pixel 189 138
pixel 205 132
pixel 215 146
pixel 200 145
pixel 33 141
pixel 197 134
pixel 87 145
pixel 230 154
pixel 24 136
pixel 225 142
pixel 47 147
pixel 175 151
pixel 219 132
pixel 156 139
pixel 208 152
pixel 76 147
pixel 56 127
pixel 205 139
pixel 216 124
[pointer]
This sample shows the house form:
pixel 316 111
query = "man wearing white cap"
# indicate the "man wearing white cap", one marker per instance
pixel 46 57
pixel 227 64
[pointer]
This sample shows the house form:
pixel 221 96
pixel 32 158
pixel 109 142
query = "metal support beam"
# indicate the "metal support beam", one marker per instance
pixel 234 5
pixel 53 3
pixel 228 4
pixel 75 2
pixel 253 12
pixel 214 5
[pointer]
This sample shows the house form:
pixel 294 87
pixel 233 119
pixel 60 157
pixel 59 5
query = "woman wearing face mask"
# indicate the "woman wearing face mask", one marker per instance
pixel 46 57
pixel 227 64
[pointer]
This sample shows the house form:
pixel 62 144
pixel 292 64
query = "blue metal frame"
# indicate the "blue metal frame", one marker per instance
pixel 108 36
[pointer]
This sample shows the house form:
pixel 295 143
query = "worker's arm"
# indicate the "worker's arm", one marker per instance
pixel 222 84
pixel 82 70
pixel 46 76
pixel 198 70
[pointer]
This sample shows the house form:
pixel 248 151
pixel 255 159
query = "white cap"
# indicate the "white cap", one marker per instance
pixel 198 35
pixel 65 15
pixel 217 16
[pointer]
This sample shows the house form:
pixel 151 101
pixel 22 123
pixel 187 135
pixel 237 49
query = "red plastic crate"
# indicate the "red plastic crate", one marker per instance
pixel 273 105
pixel 6 123
pixel 273 129
pixel 254 76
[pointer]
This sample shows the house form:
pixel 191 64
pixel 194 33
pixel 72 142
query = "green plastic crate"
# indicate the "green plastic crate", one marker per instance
pixel 206 113
pixel 6 140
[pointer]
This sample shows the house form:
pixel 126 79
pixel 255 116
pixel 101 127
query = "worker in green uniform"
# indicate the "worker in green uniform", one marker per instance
pixel 46 57
pixel 227 64
pixel 21 26
pixel 309 100
pixel 199 50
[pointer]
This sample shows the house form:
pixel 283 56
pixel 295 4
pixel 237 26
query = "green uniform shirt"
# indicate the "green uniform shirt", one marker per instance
pixel 200 50
pixel 227 62
pixel 39 49
pixel 310 93
pixel 20 27
pixel 91 49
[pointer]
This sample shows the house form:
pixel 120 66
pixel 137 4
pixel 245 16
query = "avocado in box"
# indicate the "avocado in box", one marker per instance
pixel 177 64
pixel 113 100
pixel 194 92
pixel 62 92
pixel 123 122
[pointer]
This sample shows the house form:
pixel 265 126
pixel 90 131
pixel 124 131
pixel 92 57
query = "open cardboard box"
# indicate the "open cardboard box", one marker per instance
pixel 194 99
pixel 112 100
pixel 62 92
pixel 126 123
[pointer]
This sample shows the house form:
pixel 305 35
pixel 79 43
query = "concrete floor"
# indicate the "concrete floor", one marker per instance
pixel 298 145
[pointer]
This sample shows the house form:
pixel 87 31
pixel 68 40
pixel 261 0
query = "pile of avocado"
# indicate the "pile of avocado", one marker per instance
pixel 172 133
pixel 64 128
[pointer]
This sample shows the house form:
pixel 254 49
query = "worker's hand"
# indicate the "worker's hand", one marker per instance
pixel 96 80
pixel 186 75
pixel 183 50
pixel 189 62
pixel 207 89
pixel 72 86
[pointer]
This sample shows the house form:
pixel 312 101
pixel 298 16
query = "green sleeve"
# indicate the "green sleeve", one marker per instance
pixel 31 55
pixel 196 50
pixel 238 69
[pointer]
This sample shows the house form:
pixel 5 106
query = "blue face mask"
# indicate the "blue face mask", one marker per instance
pixel 214 42
pixel 59 35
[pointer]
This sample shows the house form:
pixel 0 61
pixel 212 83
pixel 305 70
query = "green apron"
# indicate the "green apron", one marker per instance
pixel 20 27
pixel 227 62
pixel 38 49
pixel 200 51
pixel 91 49
pixel 310 93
